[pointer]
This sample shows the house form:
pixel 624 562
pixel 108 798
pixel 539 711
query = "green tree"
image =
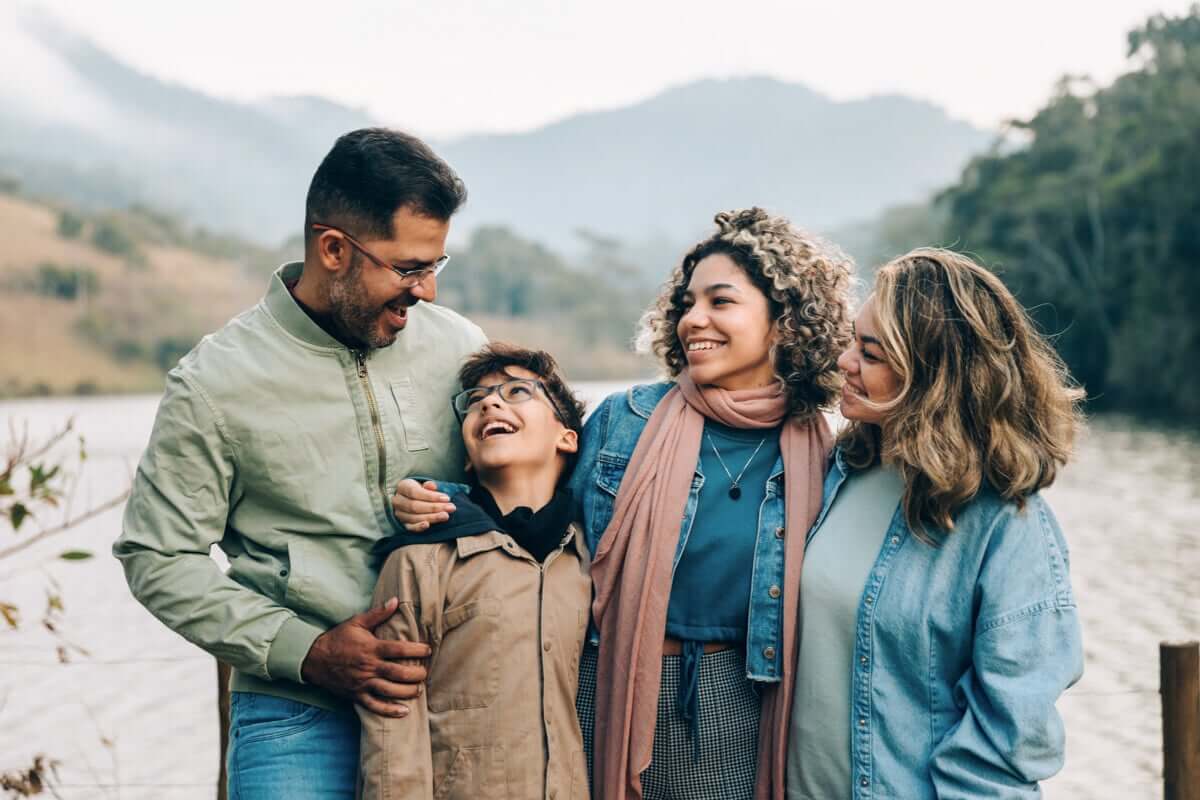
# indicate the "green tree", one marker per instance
pixel 112 238
pixel 70 224
pixel 1093 222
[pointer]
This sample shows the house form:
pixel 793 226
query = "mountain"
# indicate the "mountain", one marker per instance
pixel 89 129
pixel 225 165
pixel 664 166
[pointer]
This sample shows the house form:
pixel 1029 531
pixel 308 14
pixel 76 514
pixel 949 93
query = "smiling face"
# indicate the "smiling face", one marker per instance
pixel 870 380
pixel 726 328
pixel 511 435
pixel 369 303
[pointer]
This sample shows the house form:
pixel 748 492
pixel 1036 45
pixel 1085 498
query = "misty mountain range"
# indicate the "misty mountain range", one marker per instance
pixel 656 170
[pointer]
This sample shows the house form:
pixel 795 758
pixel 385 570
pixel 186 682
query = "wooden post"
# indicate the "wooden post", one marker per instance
pixel 1180 675
pixel 223 714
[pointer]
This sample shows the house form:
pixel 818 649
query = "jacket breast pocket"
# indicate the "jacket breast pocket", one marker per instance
pixel 413 423
pixel 610 470
pixel 465 670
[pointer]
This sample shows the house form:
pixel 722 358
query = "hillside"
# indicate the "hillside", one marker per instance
pixel 107 302
pixel 77 318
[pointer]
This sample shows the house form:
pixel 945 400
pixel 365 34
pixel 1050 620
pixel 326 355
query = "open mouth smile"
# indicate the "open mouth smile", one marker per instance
pixel 496 428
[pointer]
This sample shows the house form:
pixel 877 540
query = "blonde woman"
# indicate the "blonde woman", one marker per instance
pixel 938 622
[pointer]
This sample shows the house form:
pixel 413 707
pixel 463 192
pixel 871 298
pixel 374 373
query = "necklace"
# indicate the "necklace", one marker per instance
pixel 735 491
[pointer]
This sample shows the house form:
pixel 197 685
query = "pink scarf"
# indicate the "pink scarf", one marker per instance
pixel 632 574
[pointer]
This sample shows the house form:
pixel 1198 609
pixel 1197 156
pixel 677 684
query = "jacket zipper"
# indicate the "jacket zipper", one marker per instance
pixel 542 681
pixel 361 358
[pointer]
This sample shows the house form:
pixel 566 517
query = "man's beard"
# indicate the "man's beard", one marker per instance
pixel 355 317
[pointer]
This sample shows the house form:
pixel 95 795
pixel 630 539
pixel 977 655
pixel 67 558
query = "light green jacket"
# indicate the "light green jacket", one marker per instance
pixel 278 444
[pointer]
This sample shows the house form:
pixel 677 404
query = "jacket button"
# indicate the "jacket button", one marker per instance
pixel 769 652
pixel 774 591
pixel 863 782
pixel 546 646
pixel 283 573
pixel 895 540
pixel 862 722
pixel 870 599
pixel 863 660
pixel 779 533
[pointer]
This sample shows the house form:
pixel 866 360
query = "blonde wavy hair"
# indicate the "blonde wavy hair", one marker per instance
pixel 806 282
pixel 983 396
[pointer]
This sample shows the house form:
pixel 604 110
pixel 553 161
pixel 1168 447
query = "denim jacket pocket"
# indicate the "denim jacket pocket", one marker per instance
pixel 610 470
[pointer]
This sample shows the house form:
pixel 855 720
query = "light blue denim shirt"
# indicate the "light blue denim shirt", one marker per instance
pixel 961 652
pixel 609 438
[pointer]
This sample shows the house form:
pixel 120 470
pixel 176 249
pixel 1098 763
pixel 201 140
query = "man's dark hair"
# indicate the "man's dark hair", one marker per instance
pixel 370 174
pixel 497 356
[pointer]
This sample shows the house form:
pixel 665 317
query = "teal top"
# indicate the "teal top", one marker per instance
pixel 710 591
pixel 837 562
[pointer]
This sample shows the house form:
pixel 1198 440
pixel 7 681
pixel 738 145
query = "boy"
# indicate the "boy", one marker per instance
pixel 500 593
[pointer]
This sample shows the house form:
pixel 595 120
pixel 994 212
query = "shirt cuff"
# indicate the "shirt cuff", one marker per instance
pixel 289 649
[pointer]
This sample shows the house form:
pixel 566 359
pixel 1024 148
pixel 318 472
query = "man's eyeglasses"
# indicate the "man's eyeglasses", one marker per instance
pixel 409 277
pixel 518 390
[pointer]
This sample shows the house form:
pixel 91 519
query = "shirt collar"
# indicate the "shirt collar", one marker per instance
pixel 290 316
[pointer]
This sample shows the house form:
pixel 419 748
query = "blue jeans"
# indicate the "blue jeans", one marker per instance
pixel 284 750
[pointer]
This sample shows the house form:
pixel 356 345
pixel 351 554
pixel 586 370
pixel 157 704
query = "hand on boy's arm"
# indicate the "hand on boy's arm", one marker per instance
pixel 349 660
pixel 417 505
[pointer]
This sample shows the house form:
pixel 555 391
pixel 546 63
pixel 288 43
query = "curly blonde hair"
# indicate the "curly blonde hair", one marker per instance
pixel 806 282
pixel 983 396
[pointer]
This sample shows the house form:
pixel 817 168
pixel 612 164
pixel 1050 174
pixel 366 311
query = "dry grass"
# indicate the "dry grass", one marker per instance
pixel 45 346
pixel 170 296
pixel 41 353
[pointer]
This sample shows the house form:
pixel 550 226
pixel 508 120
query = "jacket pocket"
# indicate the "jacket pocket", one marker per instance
pixel 610 470
pixel 412 421
pixel 465 670
pixel 319 584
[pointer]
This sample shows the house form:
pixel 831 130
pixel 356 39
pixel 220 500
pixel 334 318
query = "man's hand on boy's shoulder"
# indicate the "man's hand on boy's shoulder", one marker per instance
pixel 349 660
pixel 417 506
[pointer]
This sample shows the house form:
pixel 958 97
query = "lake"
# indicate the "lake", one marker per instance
pixel 136 717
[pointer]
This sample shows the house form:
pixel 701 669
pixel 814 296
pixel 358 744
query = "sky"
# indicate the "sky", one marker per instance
pixel 449 67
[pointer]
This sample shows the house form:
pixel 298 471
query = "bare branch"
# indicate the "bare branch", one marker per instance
pixel 64 526
pixel 18 453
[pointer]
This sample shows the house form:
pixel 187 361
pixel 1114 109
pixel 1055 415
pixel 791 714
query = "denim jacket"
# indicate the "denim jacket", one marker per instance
pixel 609 438
pixel 960 653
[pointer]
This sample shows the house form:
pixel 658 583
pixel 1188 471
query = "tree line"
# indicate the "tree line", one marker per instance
pixel 1095 222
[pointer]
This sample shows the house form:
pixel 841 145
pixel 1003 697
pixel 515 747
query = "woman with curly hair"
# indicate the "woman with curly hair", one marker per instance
pixel 696 494
pixel 939 626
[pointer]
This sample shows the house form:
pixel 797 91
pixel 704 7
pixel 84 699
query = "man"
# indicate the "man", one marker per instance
pixel 278 439
pixel 501 594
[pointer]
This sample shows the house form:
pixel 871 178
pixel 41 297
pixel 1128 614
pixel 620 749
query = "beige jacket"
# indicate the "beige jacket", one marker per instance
pixel 497 718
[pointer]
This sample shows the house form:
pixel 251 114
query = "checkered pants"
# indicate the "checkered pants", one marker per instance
pixel 729 710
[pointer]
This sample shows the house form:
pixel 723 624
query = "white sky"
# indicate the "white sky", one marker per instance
pixel 444 67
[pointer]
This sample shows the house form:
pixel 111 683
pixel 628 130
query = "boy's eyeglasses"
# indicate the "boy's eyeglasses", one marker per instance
pixel 517 390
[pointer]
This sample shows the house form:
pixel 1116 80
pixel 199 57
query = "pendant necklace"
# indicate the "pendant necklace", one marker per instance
pixel 735 491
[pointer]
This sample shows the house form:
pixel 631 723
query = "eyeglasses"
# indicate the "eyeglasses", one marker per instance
pixel 518 390
pixel 409 277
